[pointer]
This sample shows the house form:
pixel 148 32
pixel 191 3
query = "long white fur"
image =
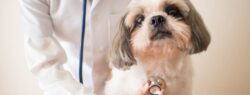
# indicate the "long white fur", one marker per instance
pixel 130 82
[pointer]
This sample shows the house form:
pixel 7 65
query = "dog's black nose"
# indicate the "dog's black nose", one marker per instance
pixel 158 21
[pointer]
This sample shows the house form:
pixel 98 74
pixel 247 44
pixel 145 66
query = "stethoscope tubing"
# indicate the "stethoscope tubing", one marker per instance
pixel 82 41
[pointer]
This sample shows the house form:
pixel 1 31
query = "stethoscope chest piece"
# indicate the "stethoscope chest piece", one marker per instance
pixel 157 84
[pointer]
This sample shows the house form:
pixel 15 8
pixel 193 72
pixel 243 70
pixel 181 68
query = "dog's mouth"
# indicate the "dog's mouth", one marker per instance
pixel 159 35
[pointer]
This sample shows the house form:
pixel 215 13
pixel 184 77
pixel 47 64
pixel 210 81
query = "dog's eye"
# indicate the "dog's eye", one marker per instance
pixel 173 11
pixel 139 19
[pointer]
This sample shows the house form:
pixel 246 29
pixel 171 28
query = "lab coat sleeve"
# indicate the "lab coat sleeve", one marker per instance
pixel 44 54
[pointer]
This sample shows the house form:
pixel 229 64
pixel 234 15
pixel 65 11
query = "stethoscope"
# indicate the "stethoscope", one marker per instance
pixel 82 41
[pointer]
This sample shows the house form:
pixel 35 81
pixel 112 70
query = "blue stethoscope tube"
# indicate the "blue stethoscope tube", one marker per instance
pixel 82 41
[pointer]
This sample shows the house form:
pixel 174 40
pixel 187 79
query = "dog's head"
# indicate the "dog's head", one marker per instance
pixel 155 29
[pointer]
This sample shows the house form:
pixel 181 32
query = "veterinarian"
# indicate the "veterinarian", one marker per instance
pixel 52 41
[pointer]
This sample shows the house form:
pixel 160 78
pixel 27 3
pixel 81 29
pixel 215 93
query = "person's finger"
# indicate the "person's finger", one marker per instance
pixel 145 89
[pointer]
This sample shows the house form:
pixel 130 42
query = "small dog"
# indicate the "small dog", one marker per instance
pixel 156 38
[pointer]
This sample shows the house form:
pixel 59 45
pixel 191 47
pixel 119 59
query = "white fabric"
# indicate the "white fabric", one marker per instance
pixel 52 39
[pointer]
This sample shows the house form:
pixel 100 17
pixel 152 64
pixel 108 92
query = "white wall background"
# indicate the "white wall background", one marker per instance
pixel 223 70
pixel 15 79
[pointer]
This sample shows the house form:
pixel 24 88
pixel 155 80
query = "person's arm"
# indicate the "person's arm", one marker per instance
pixel 44 54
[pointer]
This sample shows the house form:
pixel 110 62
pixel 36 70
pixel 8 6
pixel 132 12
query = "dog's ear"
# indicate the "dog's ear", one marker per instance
pixel 121 56
pixel 200 37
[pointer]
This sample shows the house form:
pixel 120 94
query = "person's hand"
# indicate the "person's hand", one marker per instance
pixel 145 89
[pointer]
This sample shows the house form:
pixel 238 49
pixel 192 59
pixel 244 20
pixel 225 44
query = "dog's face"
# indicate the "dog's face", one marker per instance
pixel 158 29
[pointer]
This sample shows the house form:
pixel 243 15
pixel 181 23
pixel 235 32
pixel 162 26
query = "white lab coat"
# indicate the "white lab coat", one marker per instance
pixel 52 41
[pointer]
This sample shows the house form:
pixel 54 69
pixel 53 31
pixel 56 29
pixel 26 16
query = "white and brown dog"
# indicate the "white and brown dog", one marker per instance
pixel 156 38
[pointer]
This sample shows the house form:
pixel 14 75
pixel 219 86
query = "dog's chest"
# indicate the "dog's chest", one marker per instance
pixel 129 82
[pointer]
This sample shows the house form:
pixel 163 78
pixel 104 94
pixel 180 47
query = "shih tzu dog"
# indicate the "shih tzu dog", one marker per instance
pixel 155 39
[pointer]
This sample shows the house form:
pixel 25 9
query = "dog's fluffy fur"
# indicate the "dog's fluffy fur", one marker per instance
pixel 138 52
